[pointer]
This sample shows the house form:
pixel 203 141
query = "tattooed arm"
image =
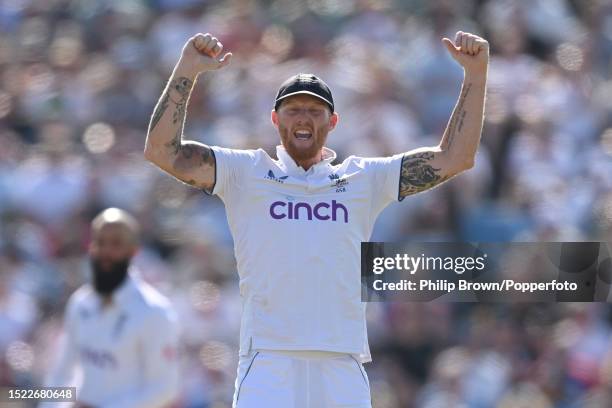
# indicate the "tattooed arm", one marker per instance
pixel 427 167
pixel 189 161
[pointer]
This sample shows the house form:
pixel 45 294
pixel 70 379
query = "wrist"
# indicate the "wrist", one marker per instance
pixel 475 75
pixel 183 69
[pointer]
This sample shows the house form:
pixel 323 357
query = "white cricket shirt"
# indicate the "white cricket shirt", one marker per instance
pixel 297 239
pixel 126 352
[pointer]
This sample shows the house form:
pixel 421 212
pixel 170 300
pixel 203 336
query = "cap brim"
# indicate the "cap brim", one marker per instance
pixel 308 93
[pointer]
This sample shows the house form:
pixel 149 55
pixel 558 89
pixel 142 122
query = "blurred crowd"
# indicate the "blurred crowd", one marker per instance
pixel 79 80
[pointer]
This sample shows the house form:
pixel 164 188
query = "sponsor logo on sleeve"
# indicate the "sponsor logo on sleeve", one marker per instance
pixel 271 176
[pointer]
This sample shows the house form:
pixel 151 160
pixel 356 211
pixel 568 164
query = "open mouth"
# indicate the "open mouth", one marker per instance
pixel 302 134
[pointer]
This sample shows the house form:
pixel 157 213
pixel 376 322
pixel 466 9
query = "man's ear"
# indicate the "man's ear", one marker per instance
pixel 274 118
pixel 333 120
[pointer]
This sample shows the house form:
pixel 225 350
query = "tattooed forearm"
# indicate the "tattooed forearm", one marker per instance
pixel 188 161
pixel 425 168
pixel 417 173
pixel 159 110
pixel 456 122
pixel 175 143
pixel 180 88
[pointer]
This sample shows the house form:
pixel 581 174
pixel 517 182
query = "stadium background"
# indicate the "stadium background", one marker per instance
pixel 78 82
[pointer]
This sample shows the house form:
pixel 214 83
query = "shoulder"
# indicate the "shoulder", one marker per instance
pixel 240 154
pixel 81 297
pixel 233 161
pixel 351 162
pixel 80 304
pixel 150 303
pixel 358 163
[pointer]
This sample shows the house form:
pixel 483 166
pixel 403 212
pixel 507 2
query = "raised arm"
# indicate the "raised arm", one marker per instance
pixel 427 167
pixel 188 161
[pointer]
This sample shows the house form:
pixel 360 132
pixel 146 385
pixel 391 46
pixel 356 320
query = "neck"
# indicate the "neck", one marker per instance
pixel 308 163
pixel 305 162
pixel 107 300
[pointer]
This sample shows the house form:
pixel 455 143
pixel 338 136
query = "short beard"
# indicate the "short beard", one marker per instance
pixel 298 154
pixel 105 282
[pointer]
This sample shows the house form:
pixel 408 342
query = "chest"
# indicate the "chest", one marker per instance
pixel 334 199
pixel 328 196
pixel 106 339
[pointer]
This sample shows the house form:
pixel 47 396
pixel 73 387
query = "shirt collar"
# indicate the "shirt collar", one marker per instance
pixel 123 293
pixel 291 166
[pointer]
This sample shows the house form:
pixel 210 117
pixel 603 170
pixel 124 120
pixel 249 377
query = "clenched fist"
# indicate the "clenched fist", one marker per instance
pixel 469 50
pixel 201 53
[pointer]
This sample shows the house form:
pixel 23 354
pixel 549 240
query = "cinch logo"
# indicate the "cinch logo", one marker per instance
pixel 321 211
pixel 271 176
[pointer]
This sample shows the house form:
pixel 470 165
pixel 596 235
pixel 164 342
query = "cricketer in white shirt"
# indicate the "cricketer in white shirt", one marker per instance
pixel 121 355
pixel 297 238
pixel 298 222
pixel 120 349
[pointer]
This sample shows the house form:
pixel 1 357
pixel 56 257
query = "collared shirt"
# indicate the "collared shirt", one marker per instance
pixel 297 237
pixel 120 354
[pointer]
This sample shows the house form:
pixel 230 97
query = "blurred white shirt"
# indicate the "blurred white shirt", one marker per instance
pixel 125 353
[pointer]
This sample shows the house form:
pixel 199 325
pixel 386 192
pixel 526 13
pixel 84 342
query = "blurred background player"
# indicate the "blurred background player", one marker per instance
pixel 303 336
pixel 120 335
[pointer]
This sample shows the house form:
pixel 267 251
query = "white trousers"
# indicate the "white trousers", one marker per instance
pixel 300 379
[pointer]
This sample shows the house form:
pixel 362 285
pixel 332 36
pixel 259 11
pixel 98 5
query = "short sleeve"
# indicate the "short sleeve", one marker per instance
pixel 385 176
pixel 231 166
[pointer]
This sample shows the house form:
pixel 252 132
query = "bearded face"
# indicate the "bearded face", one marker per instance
pixel 108 275
pixel 110 252
pixel 303 123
